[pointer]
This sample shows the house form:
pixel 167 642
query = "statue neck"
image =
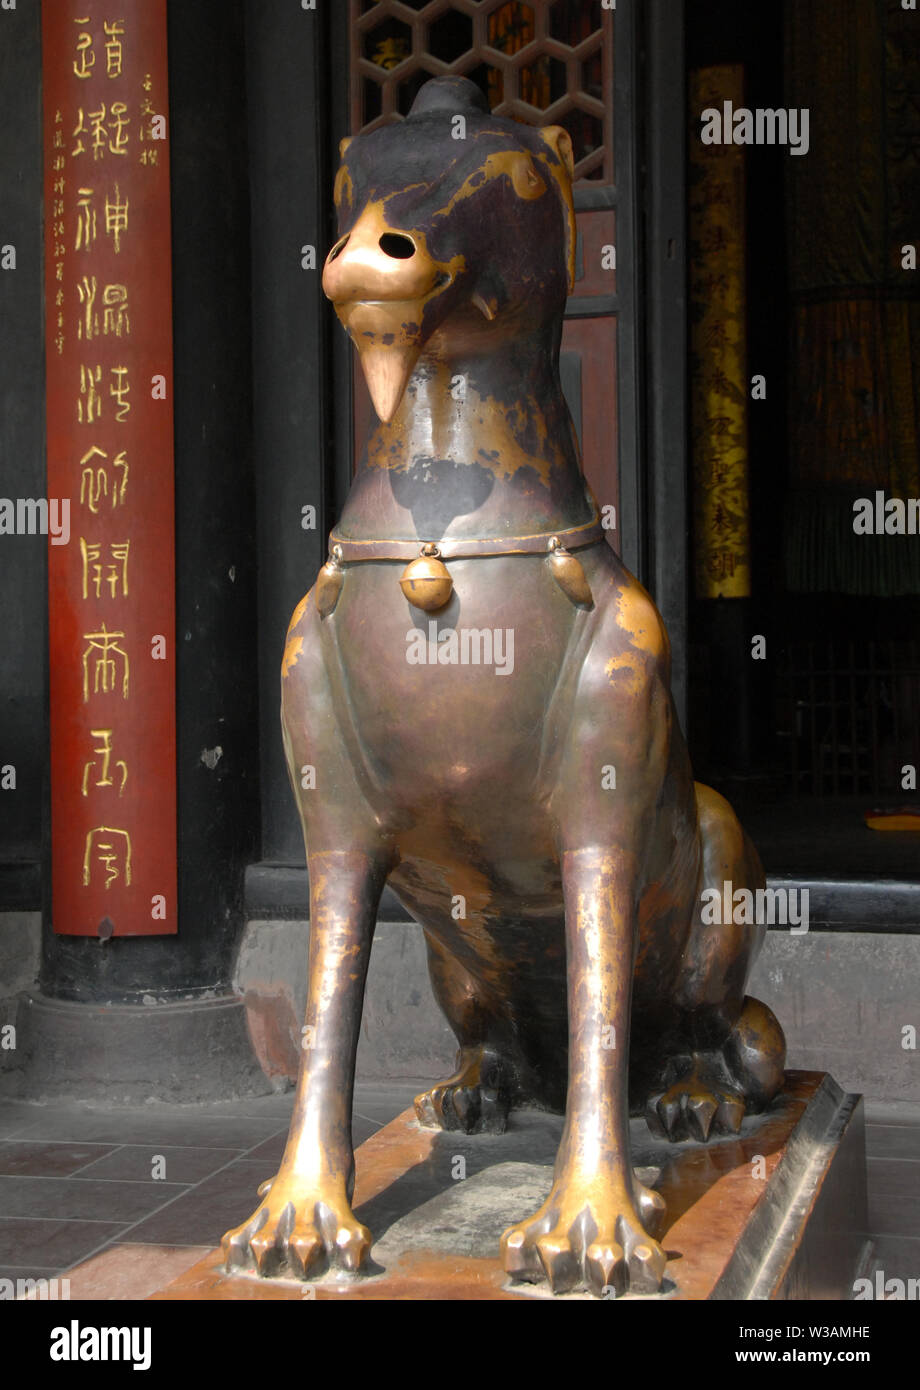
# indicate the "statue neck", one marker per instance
pixel 480 445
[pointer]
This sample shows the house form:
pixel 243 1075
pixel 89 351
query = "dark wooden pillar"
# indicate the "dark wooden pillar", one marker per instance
pixel 181 1032
pixel 289 84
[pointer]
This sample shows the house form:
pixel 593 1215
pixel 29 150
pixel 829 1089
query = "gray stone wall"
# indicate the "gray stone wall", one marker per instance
pixel 844 1000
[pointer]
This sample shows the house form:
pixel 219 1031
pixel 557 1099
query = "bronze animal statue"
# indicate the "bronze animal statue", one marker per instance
pixel 537 815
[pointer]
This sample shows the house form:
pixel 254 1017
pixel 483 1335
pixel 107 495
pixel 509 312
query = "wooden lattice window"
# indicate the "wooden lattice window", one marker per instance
pixel 546 63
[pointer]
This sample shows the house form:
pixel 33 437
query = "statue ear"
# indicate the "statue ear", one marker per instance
pixel 563 169
pixel 343 145
pixel 560 142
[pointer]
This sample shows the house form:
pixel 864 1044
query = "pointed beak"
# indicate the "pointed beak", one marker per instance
pixel 388 337
pixel 387 371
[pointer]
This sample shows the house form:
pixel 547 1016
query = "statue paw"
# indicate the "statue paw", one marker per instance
pixel 301 1229
pixel 590 1234
pixel 472 1100
pixel 697 1105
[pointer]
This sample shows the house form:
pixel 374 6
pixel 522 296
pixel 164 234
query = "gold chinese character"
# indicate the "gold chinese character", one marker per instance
pixel 105 753
pixel 149 156
pixel 99 132
pixel 104 668
pixel 89 380
pixel 115 318
pixel 113 46
pixel 88 323
pixel 116 218
pixel 59 186
pixel 147 112
pixel 118 140
pixel 103 851
pixel 85 61
pixel 86 220
pixel 107 134
pixel 79 129
pixel 117 566
pixel 119 389
pixel 94 483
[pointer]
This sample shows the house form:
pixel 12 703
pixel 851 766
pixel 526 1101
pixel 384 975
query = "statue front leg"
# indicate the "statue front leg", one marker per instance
pixel 594 1225
pixel 305 1222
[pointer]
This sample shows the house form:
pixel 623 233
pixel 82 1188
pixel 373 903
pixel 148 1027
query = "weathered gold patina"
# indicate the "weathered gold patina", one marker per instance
pixel 534 807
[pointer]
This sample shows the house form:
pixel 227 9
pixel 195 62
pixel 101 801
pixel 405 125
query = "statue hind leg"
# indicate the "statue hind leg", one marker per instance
pixel 736 1051
pixel 476 1097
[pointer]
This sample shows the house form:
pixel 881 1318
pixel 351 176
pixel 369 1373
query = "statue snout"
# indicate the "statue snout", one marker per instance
pixel 373 263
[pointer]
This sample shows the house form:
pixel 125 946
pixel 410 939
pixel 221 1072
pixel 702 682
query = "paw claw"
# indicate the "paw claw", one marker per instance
pixel 652 1117
pixel 698 1105
pixel 670 1112
pixel 700 1111
pixel 297 1234
pixel 472 1100
pixel 577 1238
pixel 351 1246
pixel 520 1259
pixel 559 1263
pixel 605 1271
pixel 265 1253
pixel 652 1210
pixel 647 1263
pixel 730 1114
pixel 304 1251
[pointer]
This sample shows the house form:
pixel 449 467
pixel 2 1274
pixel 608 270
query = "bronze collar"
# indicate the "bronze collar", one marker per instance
pixel 451 548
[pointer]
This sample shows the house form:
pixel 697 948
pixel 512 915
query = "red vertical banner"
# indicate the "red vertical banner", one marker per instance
pixel 108 333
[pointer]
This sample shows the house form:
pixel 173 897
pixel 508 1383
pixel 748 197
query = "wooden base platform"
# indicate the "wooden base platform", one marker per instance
pixel 776 1212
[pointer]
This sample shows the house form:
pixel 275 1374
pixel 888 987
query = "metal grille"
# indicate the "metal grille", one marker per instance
pixel 850 716
pixel 547 63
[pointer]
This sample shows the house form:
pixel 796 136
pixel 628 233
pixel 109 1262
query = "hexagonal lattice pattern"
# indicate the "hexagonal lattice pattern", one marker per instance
pixel 587 135
pixel 543 82
pixel 387 43
pixel 539 63
pixel 450 36
pixel 573 21
pixel 591 76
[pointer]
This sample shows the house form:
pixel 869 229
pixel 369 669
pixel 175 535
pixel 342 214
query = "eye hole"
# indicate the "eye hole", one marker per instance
pixel 395 244
pixel 339 247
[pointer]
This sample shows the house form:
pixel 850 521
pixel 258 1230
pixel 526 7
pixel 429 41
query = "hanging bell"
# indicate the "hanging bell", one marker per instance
pixel 329 583
pixel 569 574
pixel 426 582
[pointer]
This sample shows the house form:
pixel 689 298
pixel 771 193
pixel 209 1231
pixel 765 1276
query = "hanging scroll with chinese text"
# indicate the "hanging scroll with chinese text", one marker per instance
pixel 718 347
pixel 108 348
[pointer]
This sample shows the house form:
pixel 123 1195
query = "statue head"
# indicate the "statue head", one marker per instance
pixel 449 221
